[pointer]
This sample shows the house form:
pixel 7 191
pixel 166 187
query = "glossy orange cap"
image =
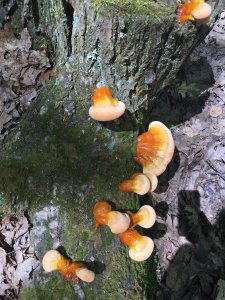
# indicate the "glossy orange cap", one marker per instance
pixel 155 148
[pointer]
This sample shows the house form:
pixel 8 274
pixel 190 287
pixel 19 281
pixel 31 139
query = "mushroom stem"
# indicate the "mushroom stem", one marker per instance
pixel 53 260
pixel 141 247
pixel 145 217
pixel 104 215
pixel 137 183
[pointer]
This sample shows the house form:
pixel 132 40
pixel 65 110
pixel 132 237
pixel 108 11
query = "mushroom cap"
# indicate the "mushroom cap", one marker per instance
pixel 105 107
pixel 118 222
pixel 155 148
pixel 51 260
pixel 138 183
pixel 101 209
pixel 153 179
pixel 185 10
pixel 147 216
pixel 107 112
pixel 203 12
pixel 142 250
pixel 85 274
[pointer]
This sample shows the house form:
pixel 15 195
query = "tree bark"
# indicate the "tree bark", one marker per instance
pixel 57 159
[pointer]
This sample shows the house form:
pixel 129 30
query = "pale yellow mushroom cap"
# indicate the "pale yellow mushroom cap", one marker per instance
pixel 147 215
pixel 118 222
pixel 51 260
pixel 153 179
pixel 85 274
pixel 203 12
pixel 142 184
pixel 142 250
pixel 107 112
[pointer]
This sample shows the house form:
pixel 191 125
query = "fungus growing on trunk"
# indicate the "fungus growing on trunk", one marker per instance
pixel 145 217
pixel 194 10
pixel 105 107
pixel 53 260
pixel 141 247
pixel 155 148
pixel 137 183
pixel 104 215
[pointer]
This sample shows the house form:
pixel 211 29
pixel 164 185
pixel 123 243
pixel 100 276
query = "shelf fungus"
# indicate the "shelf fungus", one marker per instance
pixel 145 217
pixel 137 183
pixel 194 10
pixel 104 106
pixel 53 260
pixel 141 247
pixel 155 149
pixel 104 216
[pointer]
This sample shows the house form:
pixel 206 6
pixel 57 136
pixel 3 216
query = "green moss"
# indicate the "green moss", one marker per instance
pixel 145 7
pixel 71 162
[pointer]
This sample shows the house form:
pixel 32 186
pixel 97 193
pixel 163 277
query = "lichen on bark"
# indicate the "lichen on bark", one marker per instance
pixel 58 157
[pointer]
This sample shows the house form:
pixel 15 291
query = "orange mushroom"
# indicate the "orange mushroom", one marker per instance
pixel 137 183
pixel 53 260
pixel 141 247
pixel 194 10
pixel 105 107
pixel 155 149
pixel 145 217
pixel 104 215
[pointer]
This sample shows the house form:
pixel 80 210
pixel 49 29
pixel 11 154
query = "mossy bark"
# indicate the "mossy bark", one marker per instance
pixel 58 157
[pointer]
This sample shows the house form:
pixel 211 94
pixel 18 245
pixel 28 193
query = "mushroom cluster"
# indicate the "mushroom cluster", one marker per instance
pixel 154 151
pixel 53 260
pixel 141 247
pixel 194 10
pixel 104 106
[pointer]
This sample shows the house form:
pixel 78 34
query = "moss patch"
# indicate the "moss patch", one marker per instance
pixel 145 7
pixel 71 162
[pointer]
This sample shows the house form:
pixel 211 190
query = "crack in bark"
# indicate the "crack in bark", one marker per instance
pixel 69 10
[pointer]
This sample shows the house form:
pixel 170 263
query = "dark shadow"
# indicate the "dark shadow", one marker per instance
pixel 163 179
pixel 186 96
pixel 175 103
pixel 197 267
pixel 96 266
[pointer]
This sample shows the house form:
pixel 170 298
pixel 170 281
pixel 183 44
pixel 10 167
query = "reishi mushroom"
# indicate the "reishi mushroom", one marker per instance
pixel 155 148
pixel 105 107
pixel 141 247
pixel 145 217
pixel 104 215
pixel 194 10
pixel 137 183
pixel 53 260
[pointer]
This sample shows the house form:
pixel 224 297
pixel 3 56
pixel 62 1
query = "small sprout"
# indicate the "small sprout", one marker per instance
pixel 105 107
pixel 141 247
pixel 145 217
pixel 137 183
pixel 104 215
pixel 53 260
pixel 155 149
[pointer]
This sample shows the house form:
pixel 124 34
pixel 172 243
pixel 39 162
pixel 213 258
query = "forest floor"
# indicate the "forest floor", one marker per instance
pixel 190 199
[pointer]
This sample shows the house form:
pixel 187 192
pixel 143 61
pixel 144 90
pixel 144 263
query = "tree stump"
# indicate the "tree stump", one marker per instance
pixel 57 162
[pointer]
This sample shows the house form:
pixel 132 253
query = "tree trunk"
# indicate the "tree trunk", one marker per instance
pixel 57 162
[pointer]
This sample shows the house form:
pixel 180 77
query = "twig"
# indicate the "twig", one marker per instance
pixel 217 172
